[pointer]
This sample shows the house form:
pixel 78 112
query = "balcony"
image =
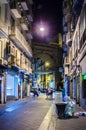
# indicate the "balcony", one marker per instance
pixel 29 17
pixel 19 40
pixel 24 5
pixel 26 9
pixel 15 9
pixel 23 23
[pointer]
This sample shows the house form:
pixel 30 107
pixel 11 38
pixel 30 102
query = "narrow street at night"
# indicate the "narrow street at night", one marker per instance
pixel 42 64
pixel 24 115
pixel 37 114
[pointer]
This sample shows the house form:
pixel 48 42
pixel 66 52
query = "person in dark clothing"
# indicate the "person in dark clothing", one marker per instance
pixel 49 92
pixel 35 93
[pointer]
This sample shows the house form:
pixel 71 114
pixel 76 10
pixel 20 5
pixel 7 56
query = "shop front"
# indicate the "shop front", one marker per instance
pixel 11 87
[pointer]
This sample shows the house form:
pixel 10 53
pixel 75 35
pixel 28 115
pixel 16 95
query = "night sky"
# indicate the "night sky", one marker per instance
pixel 49 12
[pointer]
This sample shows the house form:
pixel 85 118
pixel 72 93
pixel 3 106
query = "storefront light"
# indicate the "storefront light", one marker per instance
pixel 47 64
pixel 84 76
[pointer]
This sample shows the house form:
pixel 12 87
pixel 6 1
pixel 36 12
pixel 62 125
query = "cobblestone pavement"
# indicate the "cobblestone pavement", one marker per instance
pixel 76 123
pixel 71 124
pixel 37 114
pixel 25 114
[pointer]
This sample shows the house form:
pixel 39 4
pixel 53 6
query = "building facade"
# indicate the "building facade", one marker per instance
pixel 76 54
pixel 15 49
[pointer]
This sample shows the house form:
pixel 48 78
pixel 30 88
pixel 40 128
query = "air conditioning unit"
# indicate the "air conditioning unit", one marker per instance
pixel 11 60
pixel 10 49
pixel 3 62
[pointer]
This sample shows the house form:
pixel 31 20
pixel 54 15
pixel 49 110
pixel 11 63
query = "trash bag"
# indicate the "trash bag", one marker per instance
pixel 70 109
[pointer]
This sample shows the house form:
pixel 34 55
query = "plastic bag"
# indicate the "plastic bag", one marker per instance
pixel 70 109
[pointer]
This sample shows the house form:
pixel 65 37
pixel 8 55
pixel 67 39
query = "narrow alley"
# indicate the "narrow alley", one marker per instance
pixel 37 114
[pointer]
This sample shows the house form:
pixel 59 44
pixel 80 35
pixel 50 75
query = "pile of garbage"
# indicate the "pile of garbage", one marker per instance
pixel 80 113
pixel 70 108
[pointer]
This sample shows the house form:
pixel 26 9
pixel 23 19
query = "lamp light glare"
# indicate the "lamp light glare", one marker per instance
pixel 47 64
pixel 42 29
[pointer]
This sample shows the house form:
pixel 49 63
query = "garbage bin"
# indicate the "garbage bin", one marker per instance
pixel 60 109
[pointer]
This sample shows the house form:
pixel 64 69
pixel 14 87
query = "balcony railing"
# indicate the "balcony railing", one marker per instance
pixel 15 33
pixel 30 18
pixel 15 9
pixel 24 24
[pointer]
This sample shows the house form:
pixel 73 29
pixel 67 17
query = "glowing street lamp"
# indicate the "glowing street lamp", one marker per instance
pixel 47 64
pixel 42 29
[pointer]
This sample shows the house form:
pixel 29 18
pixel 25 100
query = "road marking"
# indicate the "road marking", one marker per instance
pixel 49 121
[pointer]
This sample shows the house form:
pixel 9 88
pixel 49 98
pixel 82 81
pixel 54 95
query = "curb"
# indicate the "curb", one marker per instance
pixel 49 122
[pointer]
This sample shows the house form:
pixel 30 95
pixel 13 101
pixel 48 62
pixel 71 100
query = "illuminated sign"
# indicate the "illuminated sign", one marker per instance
pixel 85 76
